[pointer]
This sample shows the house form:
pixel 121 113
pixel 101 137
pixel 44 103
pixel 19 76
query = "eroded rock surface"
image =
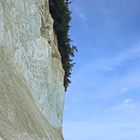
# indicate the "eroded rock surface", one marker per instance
pixel 31 73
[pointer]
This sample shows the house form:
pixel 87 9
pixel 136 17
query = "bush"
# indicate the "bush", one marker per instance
pixel 61 14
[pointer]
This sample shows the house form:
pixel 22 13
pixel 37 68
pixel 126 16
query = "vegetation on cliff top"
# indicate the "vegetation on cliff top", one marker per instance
pixel 61 14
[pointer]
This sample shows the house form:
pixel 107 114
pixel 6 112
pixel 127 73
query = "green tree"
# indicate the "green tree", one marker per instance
pixel 61 14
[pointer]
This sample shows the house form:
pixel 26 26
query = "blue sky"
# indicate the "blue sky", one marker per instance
pixel 103 101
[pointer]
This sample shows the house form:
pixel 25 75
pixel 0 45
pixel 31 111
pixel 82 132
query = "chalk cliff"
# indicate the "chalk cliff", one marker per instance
pixel 31 73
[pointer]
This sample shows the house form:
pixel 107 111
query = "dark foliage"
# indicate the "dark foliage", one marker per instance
pixel 61 14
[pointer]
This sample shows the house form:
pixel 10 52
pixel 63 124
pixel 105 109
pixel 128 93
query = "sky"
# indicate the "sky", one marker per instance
pixel 103 101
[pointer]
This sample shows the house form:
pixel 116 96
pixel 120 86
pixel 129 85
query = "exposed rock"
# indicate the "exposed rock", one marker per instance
pixel 31 73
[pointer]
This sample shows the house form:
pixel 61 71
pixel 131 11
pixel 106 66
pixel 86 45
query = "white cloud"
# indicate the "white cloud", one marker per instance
pixel 124 89
pixel 126 105
pixel 121 85
pixel 80 14
pixel 119 59
pixel 111 63
pixel 110 85
pixel 83 17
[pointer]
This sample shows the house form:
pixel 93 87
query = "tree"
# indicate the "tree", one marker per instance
pixel 61 14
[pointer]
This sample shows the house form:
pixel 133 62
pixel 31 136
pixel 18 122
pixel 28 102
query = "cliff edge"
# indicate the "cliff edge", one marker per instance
pixel 31 73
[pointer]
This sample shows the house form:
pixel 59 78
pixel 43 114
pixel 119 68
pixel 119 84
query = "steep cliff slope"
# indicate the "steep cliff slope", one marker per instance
pixel 31 73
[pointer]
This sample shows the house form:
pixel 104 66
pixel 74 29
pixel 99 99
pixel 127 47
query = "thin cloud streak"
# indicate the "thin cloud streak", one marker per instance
pixel 117 85
pixel 113 62
pixel 128 105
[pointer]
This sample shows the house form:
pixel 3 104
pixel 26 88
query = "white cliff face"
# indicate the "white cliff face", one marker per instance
pixel 30 65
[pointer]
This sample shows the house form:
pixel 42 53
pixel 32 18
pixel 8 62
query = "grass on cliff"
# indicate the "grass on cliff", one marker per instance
pixel 61 14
